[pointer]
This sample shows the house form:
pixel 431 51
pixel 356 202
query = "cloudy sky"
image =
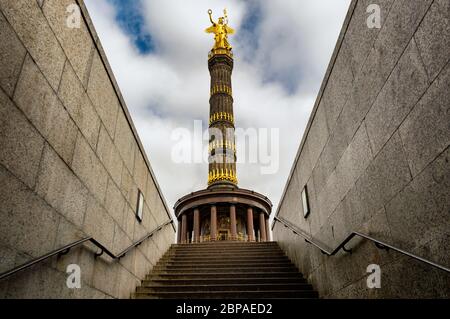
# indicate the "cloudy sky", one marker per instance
pixel 158 53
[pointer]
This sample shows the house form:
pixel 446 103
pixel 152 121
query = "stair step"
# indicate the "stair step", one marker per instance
pixel 296 294
pixel 224 253
pixel 224 245
pixel 223 287
pixel 226 261
pixel 221 281
pixel 223 256
pixel 229 252
pixel 210 246
pixel 215 246
pixel 222 265
pixel 218 270
pixel 225 270
pixel 234 275
pixel 220 261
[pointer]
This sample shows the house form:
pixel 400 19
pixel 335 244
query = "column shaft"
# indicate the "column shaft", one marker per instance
pixel 213 222
pixel 267 229
pixel 262 226
pixel 233 222
pixel 196 225
pixel 179 232
pixel 250 234
pixel 183 229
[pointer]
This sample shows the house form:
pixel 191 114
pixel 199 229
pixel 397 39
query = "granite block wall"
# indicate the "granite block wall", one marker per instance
pixel 71 162
pixel 375 156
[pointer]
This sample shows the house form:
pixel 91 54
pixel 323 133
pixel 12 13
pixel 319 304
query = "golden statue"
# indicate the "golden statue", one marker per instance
pixel 221 31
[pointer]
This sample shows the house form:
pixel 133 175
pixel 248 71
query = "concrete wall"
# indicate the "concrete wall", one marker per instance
pixel 71 162
pixel 375 156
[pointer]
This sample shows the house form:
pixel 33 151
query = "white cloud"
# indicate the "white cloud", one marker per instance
pixel 274 84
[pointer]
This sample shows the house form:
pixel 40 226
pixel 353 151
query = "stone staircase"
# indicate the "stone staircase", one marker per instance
pixel 225 270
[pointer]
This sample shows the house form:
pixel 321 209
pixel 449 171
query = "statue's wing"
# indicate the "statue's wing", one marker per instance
pixel 229 30
pixel 211 29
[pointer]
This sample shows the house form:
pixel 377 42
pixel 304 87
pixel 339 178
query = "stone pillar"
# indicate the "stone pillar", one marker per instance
pixel 233 222
pixel 267 229
pixel 221 114
pixel 213 222
pixel 179 232
pixel 196 225
pixel 251 237
pixel 262 226
pixel 183 228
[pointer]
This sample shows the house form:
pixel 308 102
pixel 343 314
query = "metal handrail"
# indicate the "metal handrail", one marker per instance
pixel 65 249
pixel 378 243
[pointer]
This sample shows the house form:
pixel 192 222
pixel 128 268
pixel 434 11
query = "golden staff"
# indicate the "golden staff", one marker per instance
pixel 210 18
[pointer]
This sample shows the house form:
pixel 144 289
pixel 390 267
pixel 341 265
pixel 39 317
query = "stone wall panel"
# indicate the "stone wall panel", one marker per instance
pixel 383 171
